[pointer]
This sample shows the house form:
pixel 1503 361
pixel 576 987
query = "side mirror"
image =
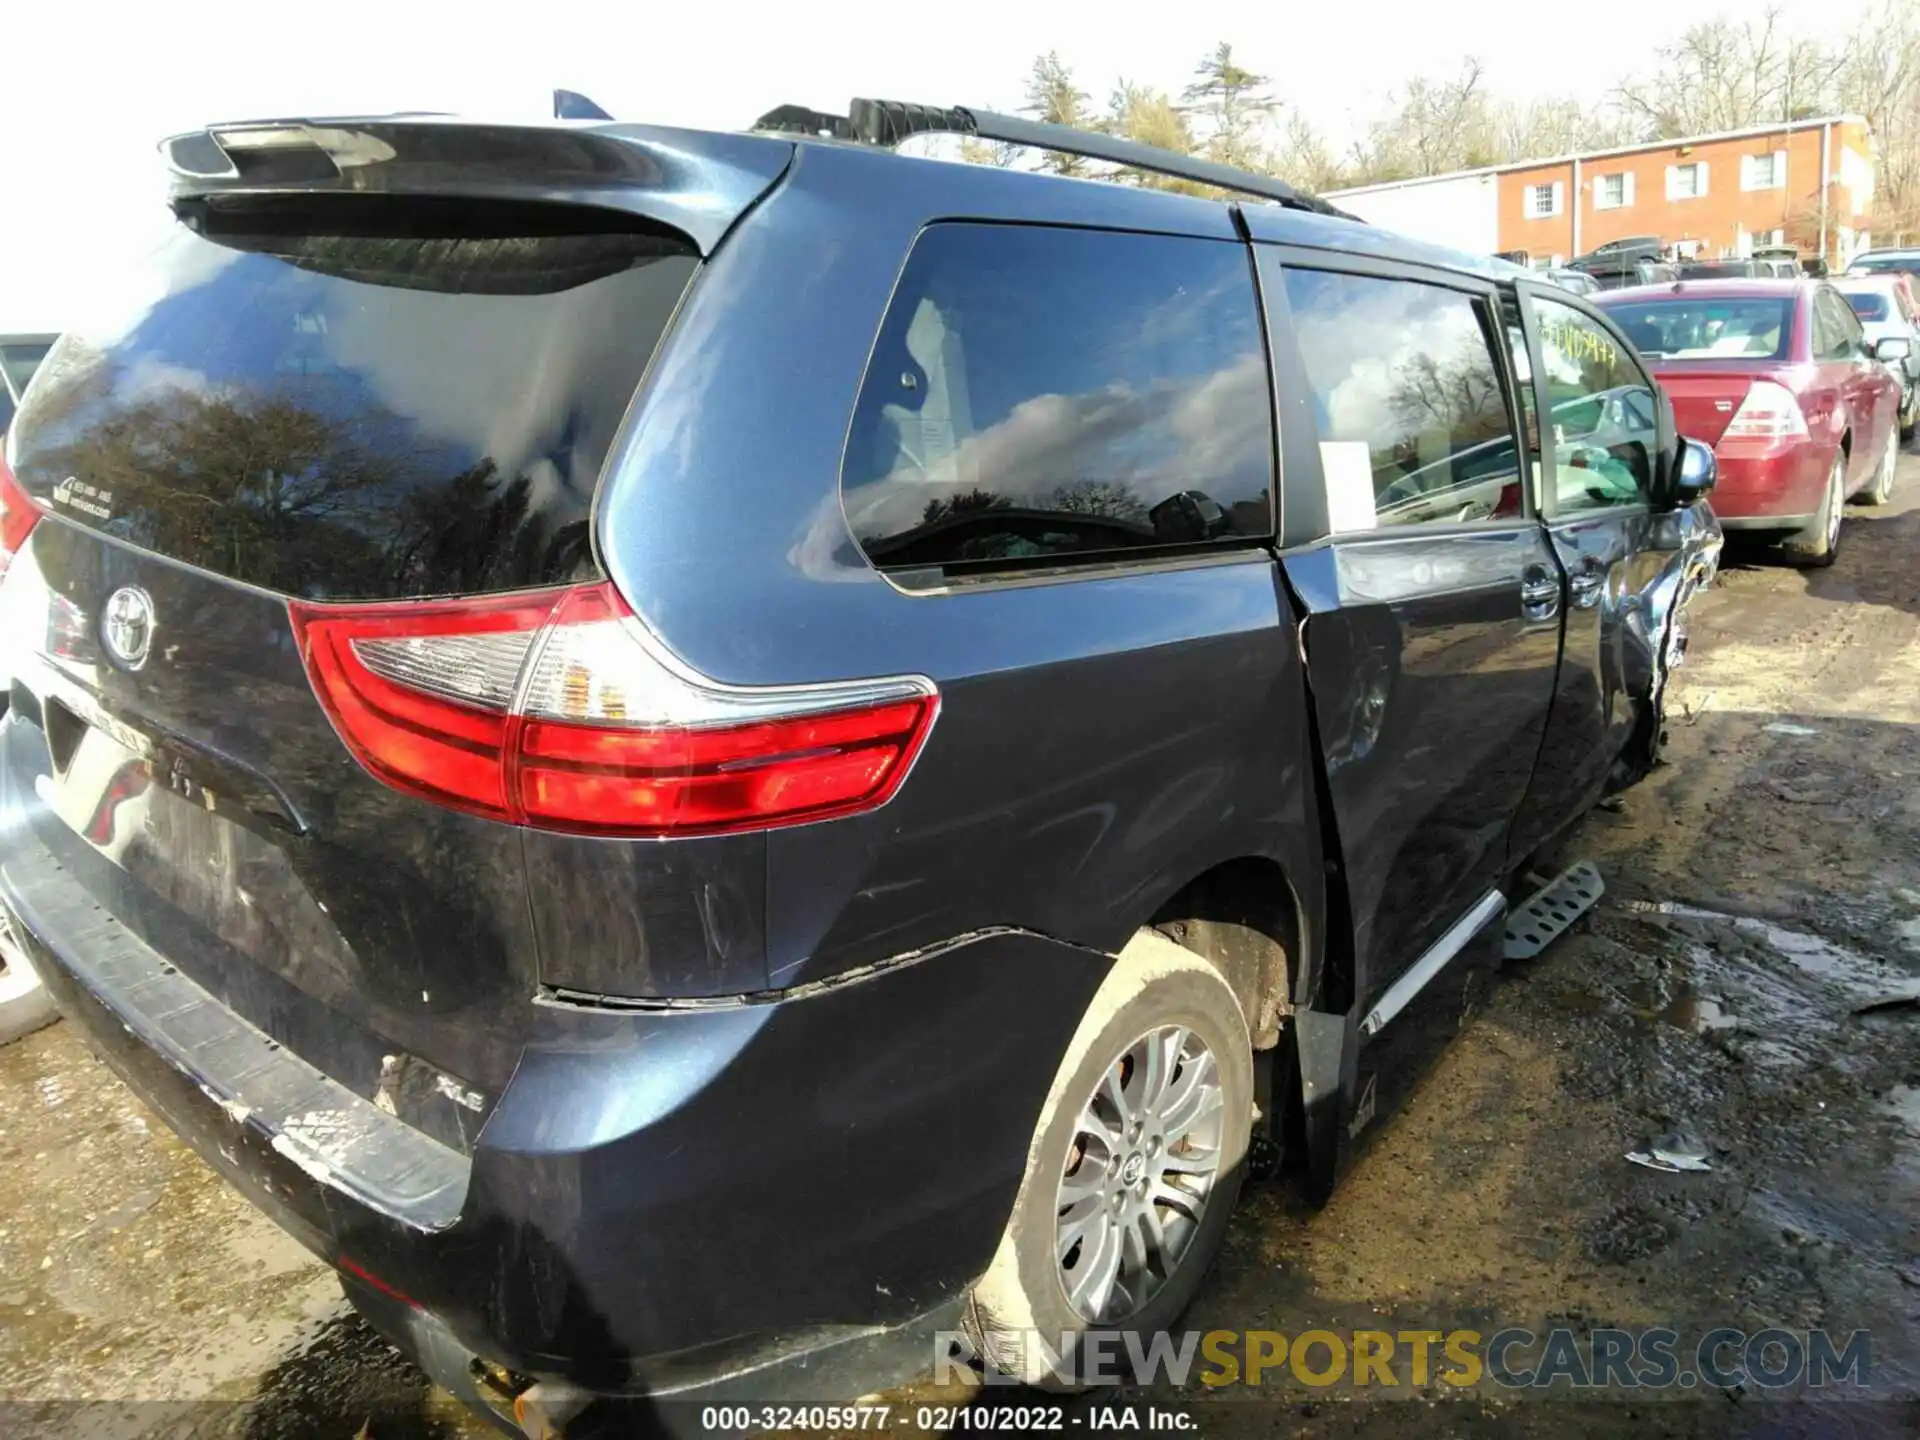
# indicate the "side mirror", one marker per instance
pixel 1699 468
pixel 1893 347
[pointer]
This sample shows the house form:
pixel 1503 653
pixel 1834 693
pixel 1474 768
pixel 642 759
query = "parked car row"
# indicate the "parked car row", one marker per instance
pixel 1803 408
pixel 570 853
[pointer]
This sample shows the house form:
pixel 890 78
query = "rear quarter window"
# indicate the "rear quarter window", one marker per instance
pixel 1041 396
pixel 358 397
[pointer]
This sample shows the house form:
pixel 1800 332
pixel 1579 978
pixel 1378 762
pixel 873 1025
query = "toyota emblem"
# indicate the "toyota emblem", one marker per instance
pixel 127 625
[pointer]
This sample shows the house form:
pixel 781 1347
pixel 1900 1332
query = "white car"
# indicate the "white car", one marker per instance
pixel 1884 305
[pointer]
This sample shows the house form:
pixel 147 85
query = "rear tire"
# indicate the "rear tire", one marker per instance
pixel 1816 546
pixel 1909 412
pixel 1077 1199
pixel 1882 490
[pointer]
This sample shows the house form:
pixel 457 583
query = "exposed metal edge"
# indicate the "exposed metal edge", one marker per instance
pixel 1491 905
pixel 564 997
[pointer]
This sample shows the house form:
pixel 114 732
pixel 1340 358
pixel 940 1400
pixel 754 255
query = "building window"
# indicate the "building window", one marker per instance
pixel 1543 201
pixel 1764 172
pixel 1613 192
pixel 1688 181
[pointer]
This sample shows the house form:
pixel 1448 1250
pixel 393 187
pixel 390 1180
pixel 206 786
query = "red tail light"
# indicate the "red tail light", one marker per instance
pixel 1770 412
pixel 558 709
pixel 18 516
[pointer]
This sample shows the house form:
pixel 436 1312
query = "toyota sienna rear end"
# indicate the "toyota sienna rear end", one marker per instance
pixel 422 884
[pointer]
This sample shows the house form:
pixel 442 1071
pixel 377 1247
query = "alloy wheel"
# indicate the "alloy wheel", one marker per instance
pixel 1144 1159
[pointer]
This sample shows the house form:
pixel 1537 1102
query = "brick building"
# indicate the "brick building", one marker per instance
pixel 1712 195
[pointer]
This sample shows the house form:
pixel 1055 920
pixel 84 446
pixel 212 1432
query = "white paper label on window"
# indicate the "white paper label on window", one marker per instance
pixel 1347 466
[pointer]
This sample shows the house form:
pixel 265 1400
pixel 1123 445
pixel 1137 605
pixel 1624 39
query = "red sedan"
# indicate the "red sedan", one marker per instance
pixel 1778 376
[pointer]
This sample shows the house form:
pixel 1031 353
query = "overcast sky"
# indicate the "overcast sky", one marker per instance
pixel 89 88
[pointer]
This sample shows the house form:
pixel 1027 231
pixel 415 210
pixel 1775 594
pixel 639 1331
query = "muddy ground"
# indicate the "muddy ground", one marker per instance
pixel 1759 888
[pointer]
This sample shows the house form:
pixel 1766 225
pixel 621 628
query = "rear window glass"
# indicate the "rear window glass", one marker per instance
pixel 1868 306
pixel 1043 395
pixel 1908 264
pixel 359 397
pixel 1697 328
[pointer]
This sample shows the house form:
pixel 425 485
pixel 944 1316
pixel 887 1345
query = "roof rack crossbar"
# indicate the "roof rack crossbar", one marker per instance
pixel 889 122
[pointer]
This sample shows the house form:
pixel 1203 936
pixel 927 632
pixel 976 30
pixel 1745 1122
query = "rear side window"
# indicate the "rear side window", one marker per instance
pixel 1834 328
pixel 359 397
pixel 1041 395
pixel 1868 306
pixel 1413 418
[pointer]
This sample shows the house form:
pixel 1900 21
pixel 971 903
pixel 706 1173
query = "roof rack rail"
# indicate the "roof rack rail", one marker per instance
pixel 889 122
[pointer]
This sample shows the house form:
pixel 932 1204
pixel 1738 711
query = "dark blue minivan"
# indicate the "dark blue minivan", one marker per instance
pixel 698 757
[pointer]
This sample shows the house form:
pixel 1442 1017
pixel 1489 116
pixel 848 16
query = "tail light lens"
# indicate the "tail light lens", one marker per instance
pixel 1770 412
pixel 559 710
pixel 18 516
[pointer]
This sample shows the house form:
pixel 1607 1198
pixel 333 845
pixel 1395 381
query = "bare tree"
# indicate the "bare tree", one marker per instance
pixel 1149 116
pixel 998 154
pixel 1232 105
pixel 1054 97
pixel 1435 126
pixel 1302 155
pixel 1535 129
pixel 1723 76
pixel 1879 79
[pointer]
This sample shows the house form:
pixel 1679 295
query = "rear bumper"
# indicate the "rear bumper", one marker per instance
pixel 703 1199
pixel 1770 486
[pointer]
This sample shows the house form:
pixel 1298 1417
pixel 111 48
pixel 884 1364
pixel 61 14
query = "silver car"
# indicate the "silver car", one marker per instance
pixel 1885 306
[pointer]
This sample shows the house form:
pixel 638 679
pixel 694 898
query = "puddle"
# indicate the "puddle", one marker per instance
pixel 1684 1008
pixel 1696 1013
pixel 1812 953
pixel 1769 995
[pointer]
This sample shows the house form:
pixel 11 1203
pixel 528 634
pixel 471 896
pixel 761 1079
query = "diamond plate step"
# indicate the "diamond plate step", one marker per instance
pixel 1552 909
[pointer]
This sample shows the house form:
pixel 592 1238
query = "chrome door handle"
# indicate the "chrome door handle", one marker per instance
pixel 1540 597
pixel 1586 588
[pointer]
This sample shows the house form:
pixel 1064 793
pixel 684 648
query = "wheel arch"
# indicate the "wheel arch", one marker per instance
pixel 1245 917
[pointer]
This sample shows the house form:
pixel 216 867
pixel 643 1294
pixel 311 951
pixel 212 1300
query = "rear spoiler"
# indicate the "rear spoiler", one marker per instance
pixel 697 182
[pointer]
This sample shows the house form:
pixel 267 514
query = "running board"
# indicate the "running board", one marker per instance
pixel 1401 994
pixel 1551 910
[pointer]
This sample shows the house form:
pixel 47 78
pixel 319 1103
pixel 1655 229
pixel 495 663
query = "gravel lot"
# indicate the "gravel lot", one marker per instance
pixel 1759 888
